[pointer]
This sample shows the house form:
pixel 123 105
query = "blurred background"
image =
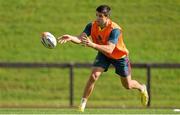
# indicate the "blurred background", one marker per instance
pixel 151 32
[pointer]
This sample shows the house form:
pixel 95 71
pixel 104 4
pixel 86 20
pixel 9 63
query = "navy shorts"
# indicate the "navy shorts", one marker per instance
pixel 122 66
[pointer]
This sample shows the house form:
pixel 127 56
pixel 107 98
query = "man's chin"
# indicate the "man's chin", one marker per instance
pixel 99 24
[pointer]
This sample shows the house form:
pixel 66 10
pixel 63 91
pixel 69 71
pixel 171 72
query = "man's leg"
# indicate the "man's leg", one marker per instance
pixel 128 83
pixel 96 72
pixel 123 69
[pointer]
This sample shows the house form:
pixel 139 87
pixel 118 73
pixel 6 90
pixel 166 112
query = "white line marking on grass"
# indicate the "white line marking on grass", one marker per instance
pixel 177 110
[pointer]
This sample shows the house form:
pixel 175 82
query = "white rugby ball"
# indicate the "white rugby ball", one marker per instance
pixel 48 40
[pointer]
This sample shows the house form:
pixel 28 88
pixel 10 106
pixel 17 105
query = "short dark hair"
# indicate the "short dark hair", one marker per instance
pixel 105 9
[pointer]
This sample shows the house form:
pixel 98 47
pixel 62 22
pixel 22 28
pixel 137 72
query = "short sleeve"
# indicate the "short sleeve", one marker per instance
pixel 114 35
pixel 87 29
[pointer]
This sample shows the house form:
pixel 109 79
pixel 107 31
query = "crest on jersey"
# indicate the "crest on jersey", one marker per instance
pixel 99 39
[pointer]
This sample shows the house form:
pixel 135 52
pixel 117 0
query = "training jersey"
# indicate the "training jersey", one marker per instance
pixel 113 33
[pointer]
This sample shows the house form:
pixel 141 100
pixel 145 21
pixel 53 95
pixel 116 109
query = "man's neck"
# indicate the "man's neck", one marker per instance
pixel 104 25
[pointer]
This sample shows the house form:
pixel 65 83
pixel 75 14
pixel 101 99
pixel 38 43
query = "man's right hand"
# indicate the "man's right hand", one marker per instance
pixel 63 39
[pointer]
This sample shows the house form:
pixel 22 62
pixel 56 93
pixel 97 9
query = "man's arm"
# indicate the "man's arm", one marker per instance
pixel 113 39
pixel 102 48
pixel 83 39
pixel 105 48
pixel 75 39
pixel 66 38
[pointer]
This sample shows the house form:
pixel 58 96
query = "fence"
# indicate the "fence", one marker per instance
pixel 71 67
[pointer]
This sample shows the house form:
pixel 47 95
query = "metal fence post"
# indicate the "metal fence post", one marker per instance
pixel 149 83
pixel 71 85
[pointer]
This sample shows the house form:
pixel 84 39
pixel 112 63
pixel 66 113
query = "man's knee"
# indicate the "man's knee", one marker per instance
pixel 96 72
pixel 94 77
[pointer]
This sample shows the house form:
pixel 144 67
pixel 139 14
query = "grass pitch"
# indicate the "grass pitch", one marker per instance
pixel 88 111
pixel 151 32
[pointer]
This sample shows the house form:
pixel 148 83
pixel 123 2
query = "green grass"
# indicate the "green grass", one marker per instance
pixel 88 111
pixel 50 88
pixel 151 31
pixel 150 28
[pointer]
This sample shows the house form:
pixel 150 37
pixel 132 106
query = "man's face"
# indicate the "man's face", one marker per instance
pixel 101 18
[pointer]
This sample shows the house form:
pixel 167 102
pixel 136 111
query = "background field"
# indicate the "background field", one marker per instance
pixel 151 32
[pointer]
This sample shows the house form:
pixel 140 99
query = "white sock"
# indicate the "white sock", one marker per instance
pixel 83 102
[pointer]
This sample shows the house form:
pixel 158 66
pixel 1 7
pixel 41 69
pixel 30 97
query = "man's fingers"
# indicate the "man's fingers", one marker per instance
pixel 63 39
pixel 84 37
pixel 59 40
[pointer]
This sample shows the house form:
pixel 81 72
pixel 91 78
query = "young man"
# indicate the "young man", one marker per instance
pixel 108 41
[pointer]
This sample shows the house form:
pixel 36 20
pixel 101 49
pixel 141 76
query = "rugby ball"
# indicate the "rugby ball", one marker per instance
pixel 48 40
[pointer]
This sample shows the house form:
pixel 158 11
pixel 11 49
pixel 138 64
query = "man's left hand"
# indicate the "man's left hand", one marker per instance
pixel 87 42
